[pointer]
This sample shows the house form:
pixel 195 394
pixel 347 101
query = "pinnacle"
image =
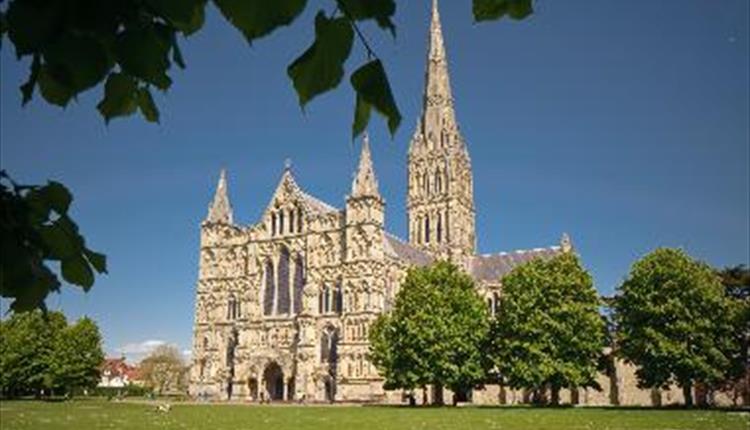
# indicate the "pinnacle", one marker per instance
pixel 365 183
pixel 220 210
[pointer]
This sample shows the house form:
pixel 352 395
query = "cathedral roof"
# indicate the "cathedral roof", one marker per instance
pixel 396 247
pixel 316 204
pixel 492 267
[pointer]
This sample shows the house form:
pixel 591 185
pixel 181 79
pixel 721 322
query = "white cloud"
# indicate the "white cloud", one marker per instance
pixel 136 351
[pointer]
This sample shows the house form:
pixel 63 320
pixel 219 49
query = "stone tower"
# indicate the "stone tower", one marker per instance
pixel 365 211
pixel 440 200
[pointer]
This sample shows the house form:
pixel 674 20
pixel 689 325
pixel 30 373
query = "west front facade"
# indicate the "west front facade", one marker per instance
pixel 283 306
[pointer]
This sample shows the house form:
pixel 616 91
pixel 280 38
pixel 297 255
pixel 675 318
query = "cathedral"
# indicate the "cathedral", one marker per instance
pixel 283 306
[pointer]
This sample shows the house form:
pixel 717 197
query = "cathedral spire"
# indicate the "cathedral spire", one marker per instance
pixel 220 210
pixel 437 109
pixel 365 183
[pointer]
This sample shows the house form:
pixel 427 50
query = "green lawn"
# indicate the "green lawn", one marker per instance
pixel 80 415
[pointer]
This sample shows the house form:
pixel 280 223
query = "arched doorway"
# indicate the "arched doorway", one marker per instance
pixel 273 377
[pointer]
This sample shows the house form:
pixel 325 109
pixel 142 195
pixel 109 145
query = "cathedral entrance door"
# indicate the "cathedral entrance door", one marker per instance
pixel 273 377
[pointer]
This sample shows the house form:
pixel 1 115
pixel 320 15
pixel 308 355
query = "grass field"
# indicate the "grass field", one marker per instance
pixel 83 415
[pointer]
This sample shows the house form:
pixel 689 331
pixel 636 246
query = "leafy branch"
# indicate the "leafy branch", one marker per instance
pixel 129 46
pixel 35 229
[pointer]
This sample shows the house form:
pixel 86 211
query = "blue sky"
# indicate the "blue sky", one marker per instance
pixel 624 124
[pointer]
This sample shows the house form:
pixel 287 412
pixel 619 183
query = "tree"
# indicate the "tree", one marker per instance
pixel 35 229
pixel 164 369
pixel 434 333
pixel 128 47
pixel 674 322
pixel 78 356
pixel 41 353
pixel 548 331
pixel 736 281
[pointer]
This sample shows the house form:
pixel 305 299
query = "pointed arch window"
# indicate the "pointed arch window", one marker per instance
pixel 231 308
pixel 338 299
pixel 419 229
pixel 291 220
pixel 299 220
pixel 270 289
pixel 299 283
pixel 438 181
pixel 427 229
pixel 326 299
pixel 282 306
pixel 439 231
pixel 281 221
pixel 426 182
pixel 273 224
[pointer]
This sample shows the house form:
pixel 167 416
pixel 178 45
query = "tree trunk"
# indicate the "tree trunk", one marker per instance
pixel 424 395
pixel 555 395
pixel 437 395
pixel 687 391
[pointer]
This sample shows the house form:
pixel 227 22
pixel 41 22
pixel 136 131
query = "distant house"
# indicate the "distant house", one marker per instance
pixel 117 373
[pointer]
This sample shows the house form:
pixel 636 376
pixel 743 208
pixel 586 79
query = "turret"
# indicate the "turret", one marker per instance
pixel 220 210
pixel 365 209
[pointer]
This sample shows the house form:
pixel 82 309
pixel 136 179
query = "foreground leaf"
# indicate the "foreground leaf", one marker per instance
pixel 147 105
pixel 120 97
pixel 143 52
pixel 186 15
pixel 321 67
pixel 490 10
pixel 380 10
pixel 258 18
pixel 373 91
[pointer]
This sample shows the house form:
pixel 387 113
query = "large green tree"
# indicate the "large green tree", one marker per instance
pixel 548 331
pixel 41 353
pixel 77 356
pixel 674 321
pixel 736 281
pixel 434 334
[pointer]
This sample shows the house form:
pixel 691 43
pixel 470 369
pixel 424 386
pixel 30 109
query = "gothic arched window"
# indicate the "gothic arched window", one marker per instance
pixel 438 181
pixel 299 283
pixel 419 229
pixel 326 299
pixel 299 220
pixel 282 306
pixel 268 295
pixel 231 308
pixel 338 299
pixel 440 228
pixel 281 222
pixel 427 229
pixel 291 220
pixel 426 182
pixel 273 223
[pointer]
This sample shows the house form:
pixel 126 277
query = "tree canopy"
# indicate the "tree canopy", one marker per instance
pixel 42 352
pixel 164 369
pixel 675 322
pixel 434 334
pixel 548 331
